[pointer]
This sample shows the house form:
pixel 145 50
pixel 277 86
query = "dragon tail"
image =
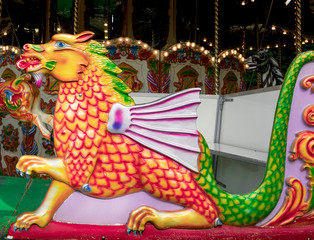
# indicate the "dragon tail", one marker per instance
pixel 251 208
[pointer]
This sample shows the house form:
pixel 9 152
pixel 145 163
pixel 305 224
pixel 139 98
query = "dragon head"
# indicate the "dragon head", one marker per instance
pixel 258 60
pixel 63 57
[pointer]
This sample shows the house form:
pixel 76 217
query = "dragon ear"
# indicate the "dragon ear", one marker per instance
pixel 84 36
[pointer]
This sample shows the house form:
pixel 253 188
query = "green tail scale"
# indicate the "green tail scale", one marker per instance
pixel 249 209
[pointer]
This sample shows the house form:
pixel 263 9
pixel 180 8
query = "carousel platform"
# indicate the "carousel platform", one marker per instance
pixel 18 195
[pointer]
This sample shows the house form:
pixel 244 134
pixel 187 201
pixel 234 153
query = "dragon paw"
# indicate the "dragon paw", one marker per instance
pixel 140 216
pixel 28 164
pixel 26 220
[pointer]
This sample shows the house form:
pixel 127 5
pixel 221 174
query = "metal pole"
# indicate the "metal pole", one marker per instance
pixel 216 48
pixel 298 39
pixel 244 43
pixel 75 16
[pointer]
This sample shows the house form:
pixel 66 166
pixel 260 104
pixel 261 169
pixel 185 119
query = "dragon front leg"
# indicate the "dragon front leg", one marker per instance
pixel 54 167
pixel 56 195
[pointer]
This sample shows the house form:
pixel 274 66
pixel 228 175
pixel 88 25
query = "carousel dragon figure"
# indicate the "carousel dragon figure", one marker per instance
pixel 107 146
pixel 21 99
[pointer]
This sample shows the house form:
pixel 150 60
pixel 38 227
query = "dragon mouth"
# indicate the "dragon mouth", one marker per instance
pixel 33 64
pixel 29 64
pixel 251 65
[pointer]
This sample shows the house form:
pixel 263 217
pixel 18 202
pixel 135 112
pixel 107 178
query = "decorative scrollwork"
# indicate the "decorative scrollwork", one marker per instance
pixel 307 82
pixel 294 206
pixel 308 115
pixel 303 147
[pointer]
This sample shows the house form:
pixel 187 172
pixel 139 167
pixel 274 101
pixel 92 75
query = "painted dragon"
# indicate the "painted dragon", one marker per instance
pixel 268 66
pixel 21 99
pixel 101 151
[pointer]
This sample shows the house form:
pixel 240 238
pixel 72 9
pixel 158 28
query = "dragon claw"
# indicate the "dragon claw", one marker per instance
pixel 27 175
pixel 134 231
pixel 18 171
pixel 15 228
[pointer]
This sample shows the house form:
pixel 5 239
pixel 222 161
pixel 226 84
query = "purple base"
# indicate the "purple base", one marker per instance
pixel 79 208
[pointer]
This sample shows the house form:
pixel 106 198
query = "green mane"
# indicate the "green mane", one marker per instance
pixel 98 53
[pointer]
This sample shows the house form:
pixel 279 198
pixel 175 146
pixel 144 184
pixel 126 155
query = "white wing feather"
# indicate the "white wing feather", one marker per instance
pixel 167 126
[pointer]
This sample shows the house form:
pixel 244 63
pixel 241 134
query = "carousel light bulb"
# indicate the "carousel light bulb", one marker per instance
pixel 166 54
pixel 155 52
pixel 58 29
pixel 193 44
pixel 139 42
pixel 202 49
pixel 273 27
pixel 145 46
pixel 284 32
pixel 240 55
pixel 7 48
pixel 5 33
pixel 106 37
pixel 106 31
pixel 223 55
pixel 179 46
pixel 204 39
pixel 106 24
pixel 108 42
pixel 188 44
pixel 127 39
pixel 243 3
pixel 210 44
pixel 206 51
pixel 120 39
pixel 174 48
pixel 213 59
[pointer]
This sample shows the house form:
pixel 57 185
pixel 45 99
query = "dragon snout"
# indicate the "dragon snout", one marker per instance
pixel 37 48
pixel 27 47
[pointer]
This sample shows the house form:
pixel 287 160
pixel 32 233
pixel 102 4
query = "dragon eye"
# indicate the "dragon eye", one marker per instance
pixel 60 44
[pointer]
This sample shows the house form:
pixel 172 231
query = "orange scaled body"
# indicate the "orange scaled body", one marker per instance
pixel 99 163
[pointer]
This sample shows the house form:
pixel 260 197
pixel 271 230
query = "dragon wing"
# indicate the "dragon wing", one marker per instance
pixel 167 125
